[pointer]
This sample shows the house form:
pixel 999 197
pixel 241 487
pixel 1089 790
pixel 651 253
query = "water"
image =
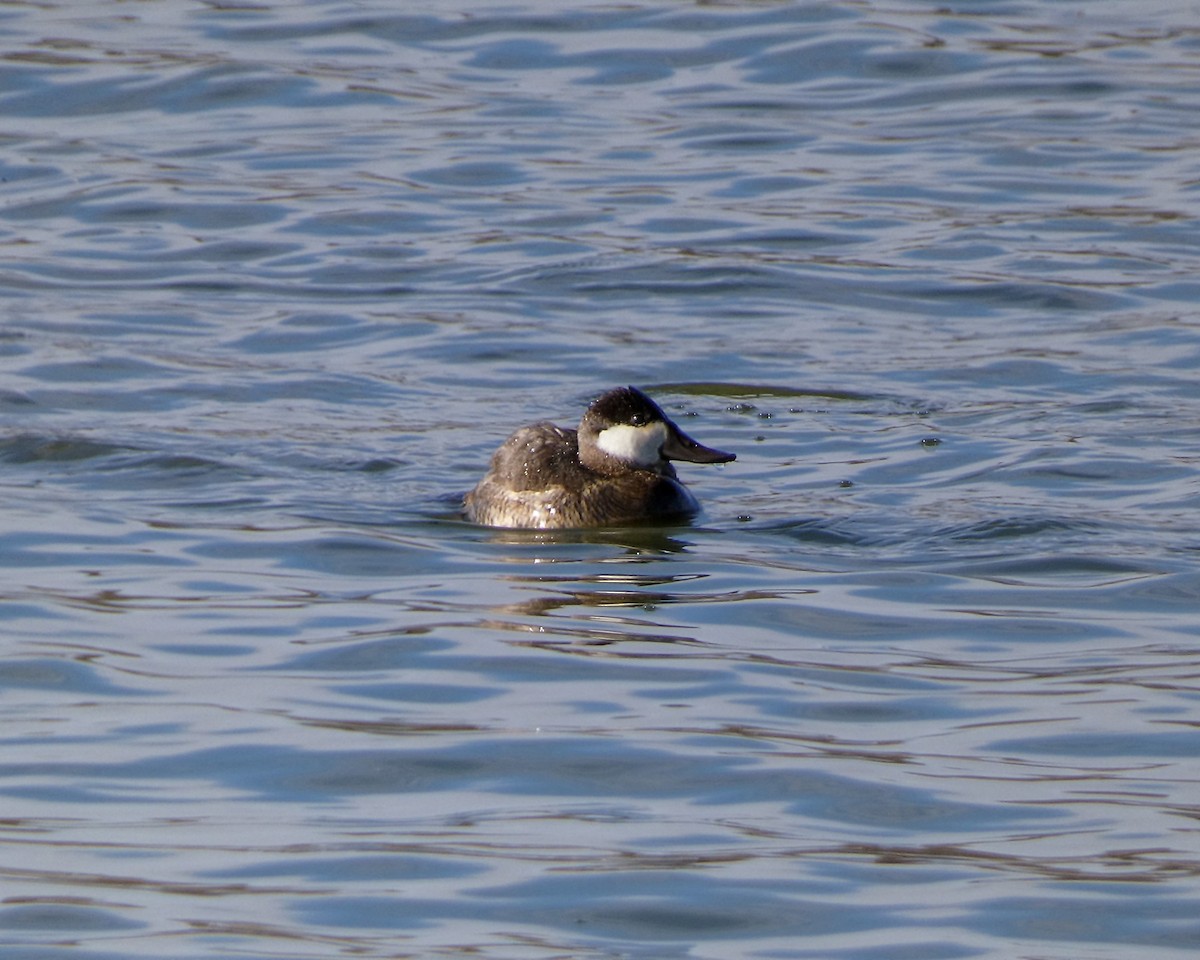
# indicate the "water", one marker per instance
pixel 920 684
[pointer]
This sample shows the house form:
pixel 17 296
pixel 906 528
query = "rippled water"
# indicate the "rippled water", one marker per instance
pixel 921 683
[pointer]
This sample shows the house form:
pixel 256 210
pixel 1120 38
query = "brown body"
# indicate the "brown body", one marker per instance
pixel 614 470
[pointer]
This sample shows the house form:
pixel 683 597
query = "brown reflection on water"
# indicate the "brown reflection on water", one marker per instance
pixel 388 728
pixel 125 882
pixel 1119 866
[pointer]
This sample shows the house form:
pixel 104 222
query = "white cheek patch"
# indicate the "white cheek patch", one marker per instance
pixel 640 445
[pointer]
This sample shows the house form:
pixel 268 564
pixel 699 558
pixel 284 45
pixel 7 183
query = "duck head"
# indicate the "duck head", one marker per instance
pixel 624 429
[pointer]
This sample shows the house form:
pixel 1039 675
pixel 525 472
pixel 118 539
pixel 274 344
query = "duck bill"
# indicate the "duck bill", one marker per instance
pixel 679 446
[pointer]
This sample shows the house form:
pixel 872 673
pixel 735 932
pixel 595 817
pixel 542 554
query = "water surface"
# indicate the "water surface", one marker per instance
pixel 920 683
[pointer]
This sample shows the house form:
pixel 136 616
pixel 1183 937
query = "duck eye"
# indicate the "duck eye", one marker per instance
pixel 638 420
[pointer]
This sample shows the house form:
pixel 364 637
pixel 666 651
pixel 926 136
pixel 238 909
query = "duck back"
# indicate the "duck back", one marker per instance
pixel 536 481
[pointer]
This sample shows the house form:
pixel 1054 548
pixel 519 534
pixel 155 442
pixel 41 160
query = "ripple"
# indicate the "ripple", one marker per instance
pixel 278 281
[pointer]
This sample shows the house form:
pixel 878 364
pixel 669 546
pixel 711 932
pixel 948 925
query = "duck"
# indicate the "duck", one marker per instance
pixel 614 470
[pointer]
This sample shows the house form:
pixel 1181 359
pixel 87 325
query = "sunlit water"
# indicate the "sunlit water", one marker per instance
pixel 922 683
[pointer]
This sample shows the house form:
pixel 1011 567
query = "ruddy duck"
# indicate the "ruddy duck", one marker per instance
pixel 614 469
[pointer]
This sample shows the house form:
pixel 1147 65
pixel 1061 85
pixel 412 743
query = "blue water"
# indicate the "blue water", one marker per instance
pixel 922 682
